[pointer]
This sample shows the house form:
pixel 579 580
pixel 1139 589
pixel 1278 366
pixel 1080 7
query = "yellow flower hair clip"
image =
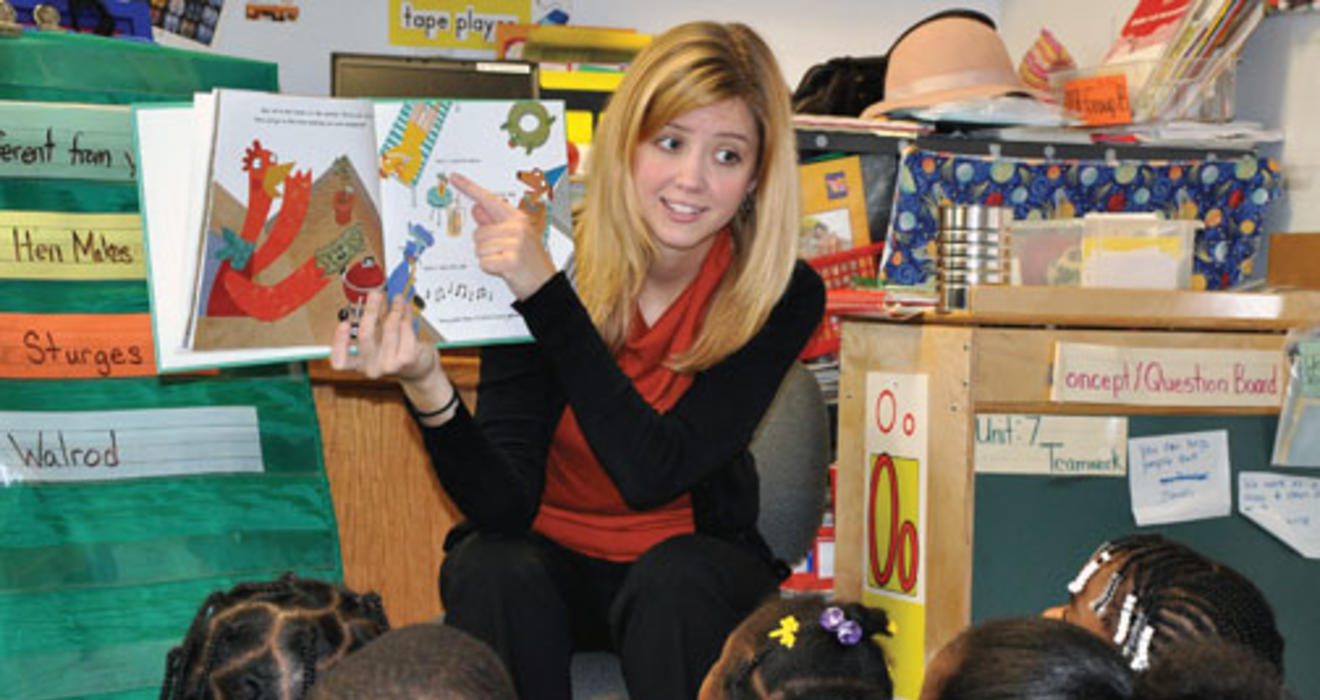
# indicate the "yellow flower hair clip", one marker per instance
pixel 787 632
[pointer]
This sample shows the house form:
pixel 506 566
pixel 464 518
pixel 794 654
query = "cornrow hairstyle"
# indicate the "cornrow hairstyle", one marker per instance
pixel 269 639
pixel 1032 659
pixel 1210 669
pixel 818 664
pixel 419 662
pixel 1173 593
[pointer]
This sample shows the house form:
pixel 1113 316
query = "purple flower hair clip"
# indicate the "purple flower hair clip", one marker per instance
pixel 849 632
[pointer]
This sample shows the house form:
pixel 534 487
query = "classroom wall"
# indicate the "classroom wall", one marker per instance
pixel 1276 83
pixel 800 33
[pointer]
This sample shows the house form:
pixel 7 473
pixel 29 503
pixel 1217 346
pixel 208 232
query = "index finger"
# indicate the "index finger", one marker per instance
pixel 494 204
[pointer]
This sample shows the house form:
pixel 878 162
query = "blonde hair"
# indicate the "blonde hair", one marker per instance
pixel 691 66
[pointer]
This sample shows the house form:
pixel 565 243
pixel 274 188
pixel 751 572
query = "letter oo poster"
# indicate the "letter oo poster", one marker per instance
pixel 895 518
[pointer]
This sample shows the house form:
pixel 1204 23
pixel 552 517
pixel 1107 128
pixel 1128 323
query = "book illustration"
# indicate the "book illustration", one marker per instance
pixel 302 268
pixel 516 149
pixel 294 209
pixel 443 200
pixel 826 233
pixel 834 215
pixel 539 195
pixel 528 125
pixel 237 254
pixel 411 140
pixel 403 278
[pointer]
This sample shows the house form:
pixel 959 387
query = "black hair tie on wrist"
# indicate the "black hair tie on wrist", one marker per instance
pixel 453 401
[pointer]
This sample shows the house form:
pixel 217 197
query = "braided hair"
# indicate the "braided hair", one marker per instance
pixel 818 661
pixel 269 639
pixel 1172 593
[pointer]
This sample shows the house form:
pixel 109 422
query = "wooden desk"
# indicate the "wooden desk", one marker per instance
pixel 997 357
pixel 391 511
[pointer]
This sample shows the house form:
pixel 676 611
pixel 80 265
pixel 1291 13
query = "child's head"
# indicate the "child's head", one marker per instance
pixel 419 662
pixel 1210 669
pixel 1030 659
pixel 690 67
pixel 1144 593
pixel 269 639
pixel 803 647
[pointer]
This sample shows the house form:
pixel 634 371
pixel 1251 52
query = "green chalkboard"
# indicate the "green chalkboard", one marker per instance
pixel 1032 534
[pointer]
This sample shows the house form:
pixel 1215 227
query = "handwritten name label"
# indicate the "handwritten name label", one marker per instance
pixel 1179 477
pixel 57 140
pixel 1099 101
pixel 1088 373
pixel 74 446
pixel 1051 445
pixel 76 346
pixel 1288 507
pixel 68 246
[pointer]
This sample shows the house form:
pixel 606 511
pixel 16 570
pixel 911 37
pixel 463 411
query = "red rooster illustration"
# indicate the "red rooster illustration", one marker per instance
pixel 235 293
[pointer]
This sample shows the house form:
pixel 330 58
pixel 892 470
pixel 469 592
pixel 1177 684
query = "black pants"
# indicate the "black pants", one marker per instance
pixel 666 614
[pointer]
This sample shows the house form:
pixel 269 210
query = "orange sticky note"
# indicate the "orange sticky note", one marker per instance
pixel 1099 101
pixel 76 346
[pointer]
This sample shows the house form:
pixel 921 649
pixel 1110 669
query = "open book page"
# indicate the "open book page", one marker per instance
pixel 291 229
pixel 516 149
pixel 170 140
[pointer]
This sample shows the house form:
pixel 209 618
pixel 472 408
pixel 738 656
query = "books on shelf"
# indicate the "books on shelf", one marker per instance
pixel 833 207
pixel 1148 30
pixel 896 128
pixel 268 218
pixel 1172 52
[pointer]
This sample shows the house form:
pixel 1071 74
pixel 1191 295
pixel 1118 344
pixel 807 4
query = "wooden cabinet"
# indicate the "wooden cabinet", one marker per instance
pixel 391 510
pixel 997 357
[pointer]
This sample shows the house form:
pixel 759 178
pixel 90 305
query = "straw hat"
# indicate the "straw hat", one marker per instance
pixel 948 57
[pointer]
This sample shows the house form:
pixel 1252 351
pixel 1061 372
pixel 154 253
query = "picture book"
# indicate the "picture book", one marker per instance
pixel 833 207
pixel 269 218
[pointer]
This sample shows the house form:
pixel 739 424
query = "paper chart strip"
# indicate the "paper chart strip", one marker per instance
pixel 77 446
pixel 65 246
pixel 64 141
pixel 1050 445
pixel 75 346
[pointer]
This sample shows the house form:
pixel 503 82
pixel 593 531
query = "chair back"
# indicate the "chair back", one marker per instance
pixel 792 451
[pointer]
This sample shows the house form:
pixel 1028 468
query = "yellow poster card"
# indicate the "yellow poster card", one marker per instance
pixel 450 24
pixel 68 246
pixel 906 648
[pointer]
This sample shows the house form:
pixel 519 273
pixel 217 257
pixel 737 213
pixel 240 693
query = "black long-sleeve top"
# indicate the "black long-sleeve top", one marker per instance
pixel 493 466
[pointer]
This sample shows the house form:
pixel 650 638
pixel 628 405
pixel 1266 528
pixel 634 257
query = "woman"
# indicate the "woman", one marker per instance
pixel 609 494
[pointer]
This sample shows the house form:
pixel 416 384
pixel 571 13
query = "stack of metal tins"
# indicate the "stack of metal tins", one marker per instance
pixel 973 249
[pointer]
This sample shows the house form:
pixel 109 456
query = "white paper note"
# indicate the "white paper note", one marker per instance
pixel 1050 445
pixel 1288 507
pixel 72 446
pixel 1179 477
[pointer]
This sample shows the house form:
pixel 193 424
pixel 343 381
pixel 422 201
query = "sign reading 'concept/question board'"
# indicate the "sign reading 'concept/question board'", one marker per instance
pixel 1088 373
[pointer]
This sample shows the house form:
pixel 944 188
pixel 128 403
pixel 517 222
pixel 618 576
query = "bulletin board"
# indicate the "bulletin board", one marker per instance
pixel 1020 567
